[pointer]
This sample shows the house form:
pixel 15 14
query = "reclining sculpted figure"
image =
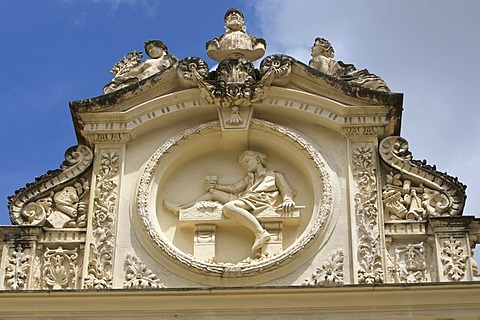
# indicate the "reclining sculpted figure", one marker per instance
pixel 130 70
pixel 322 60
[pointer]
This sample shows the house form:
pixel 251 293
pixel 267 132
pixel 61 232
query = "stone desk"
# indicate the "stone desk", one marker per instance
pixel 204 216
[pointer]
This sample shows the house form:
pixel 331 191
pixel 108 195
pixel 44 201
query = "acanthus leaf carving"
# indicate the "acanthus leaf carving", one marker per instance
pixel 17 271
pixel 57 198
pixel 99 274
pixel 415 190
pixel 330 273
pixel 454 259
pixel 369 257
pixel 138 276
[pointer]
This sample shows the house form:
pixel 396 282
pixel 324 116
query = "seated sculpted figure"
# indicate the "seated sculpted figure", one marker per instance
pixel 261 189
pixel 159 61
pixel 322 60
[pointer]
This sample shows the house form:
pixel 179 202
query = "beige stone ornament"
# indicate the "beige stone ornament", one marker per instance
pixel 262 193
pixel 131 69
pixel 277 190
pixel 236 41
pixel 322 60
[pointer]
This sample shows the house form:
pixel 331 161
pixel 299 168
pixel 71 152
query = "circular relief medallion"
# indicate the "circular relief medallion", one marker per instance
pixel 234 213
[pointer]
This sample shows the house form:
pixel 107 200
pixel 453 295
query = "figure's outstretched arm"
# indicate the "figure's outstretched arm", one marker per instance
pixel 286 192
pixel 233 188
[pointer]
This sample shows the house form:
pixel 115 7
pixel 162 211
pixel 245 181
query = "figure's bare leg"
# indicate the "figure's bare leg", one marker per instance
pixel 215 195
pixel 237 210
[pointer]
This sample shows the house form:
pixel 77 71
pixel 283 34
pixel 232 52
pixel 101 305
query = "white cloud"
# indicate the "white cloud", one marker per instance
pixel 150 7
pixel 427 51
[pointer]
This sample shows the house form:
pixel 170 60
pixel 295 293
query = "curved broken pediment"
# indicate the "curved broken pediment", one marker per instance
pixel 415 190
pixel 58 198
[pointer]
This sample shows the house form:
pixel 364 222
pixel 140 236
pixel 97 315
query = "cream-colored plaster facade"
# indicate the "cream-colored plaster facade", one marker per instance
pixel 159 212
pixel 433 301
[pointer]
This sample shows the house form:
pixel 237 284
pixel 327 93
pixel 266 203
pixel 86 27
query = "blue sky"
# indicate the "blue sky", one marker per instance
pixel 53 52
pixel 56 51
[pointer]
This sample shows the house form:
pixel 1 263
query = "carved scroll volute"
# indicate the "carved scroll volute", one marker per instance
pixel 430 192
pixel 235 83
pixel 192 72
pixel 276 68
pixel 46 201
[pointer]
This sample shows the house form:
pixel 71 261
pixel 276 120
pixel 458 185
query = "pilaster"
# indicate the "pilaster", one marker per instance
pixel 452 249
pixel 101 232
pixel 366 221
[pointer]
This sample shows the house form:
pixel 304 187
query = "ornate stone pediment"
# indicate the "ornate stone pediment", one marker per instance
pixel 284 174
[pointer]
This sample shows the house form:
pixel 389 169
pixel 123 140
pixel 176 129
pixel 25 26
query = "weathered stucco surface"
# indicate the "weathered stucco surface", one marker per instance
pixel 327 213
